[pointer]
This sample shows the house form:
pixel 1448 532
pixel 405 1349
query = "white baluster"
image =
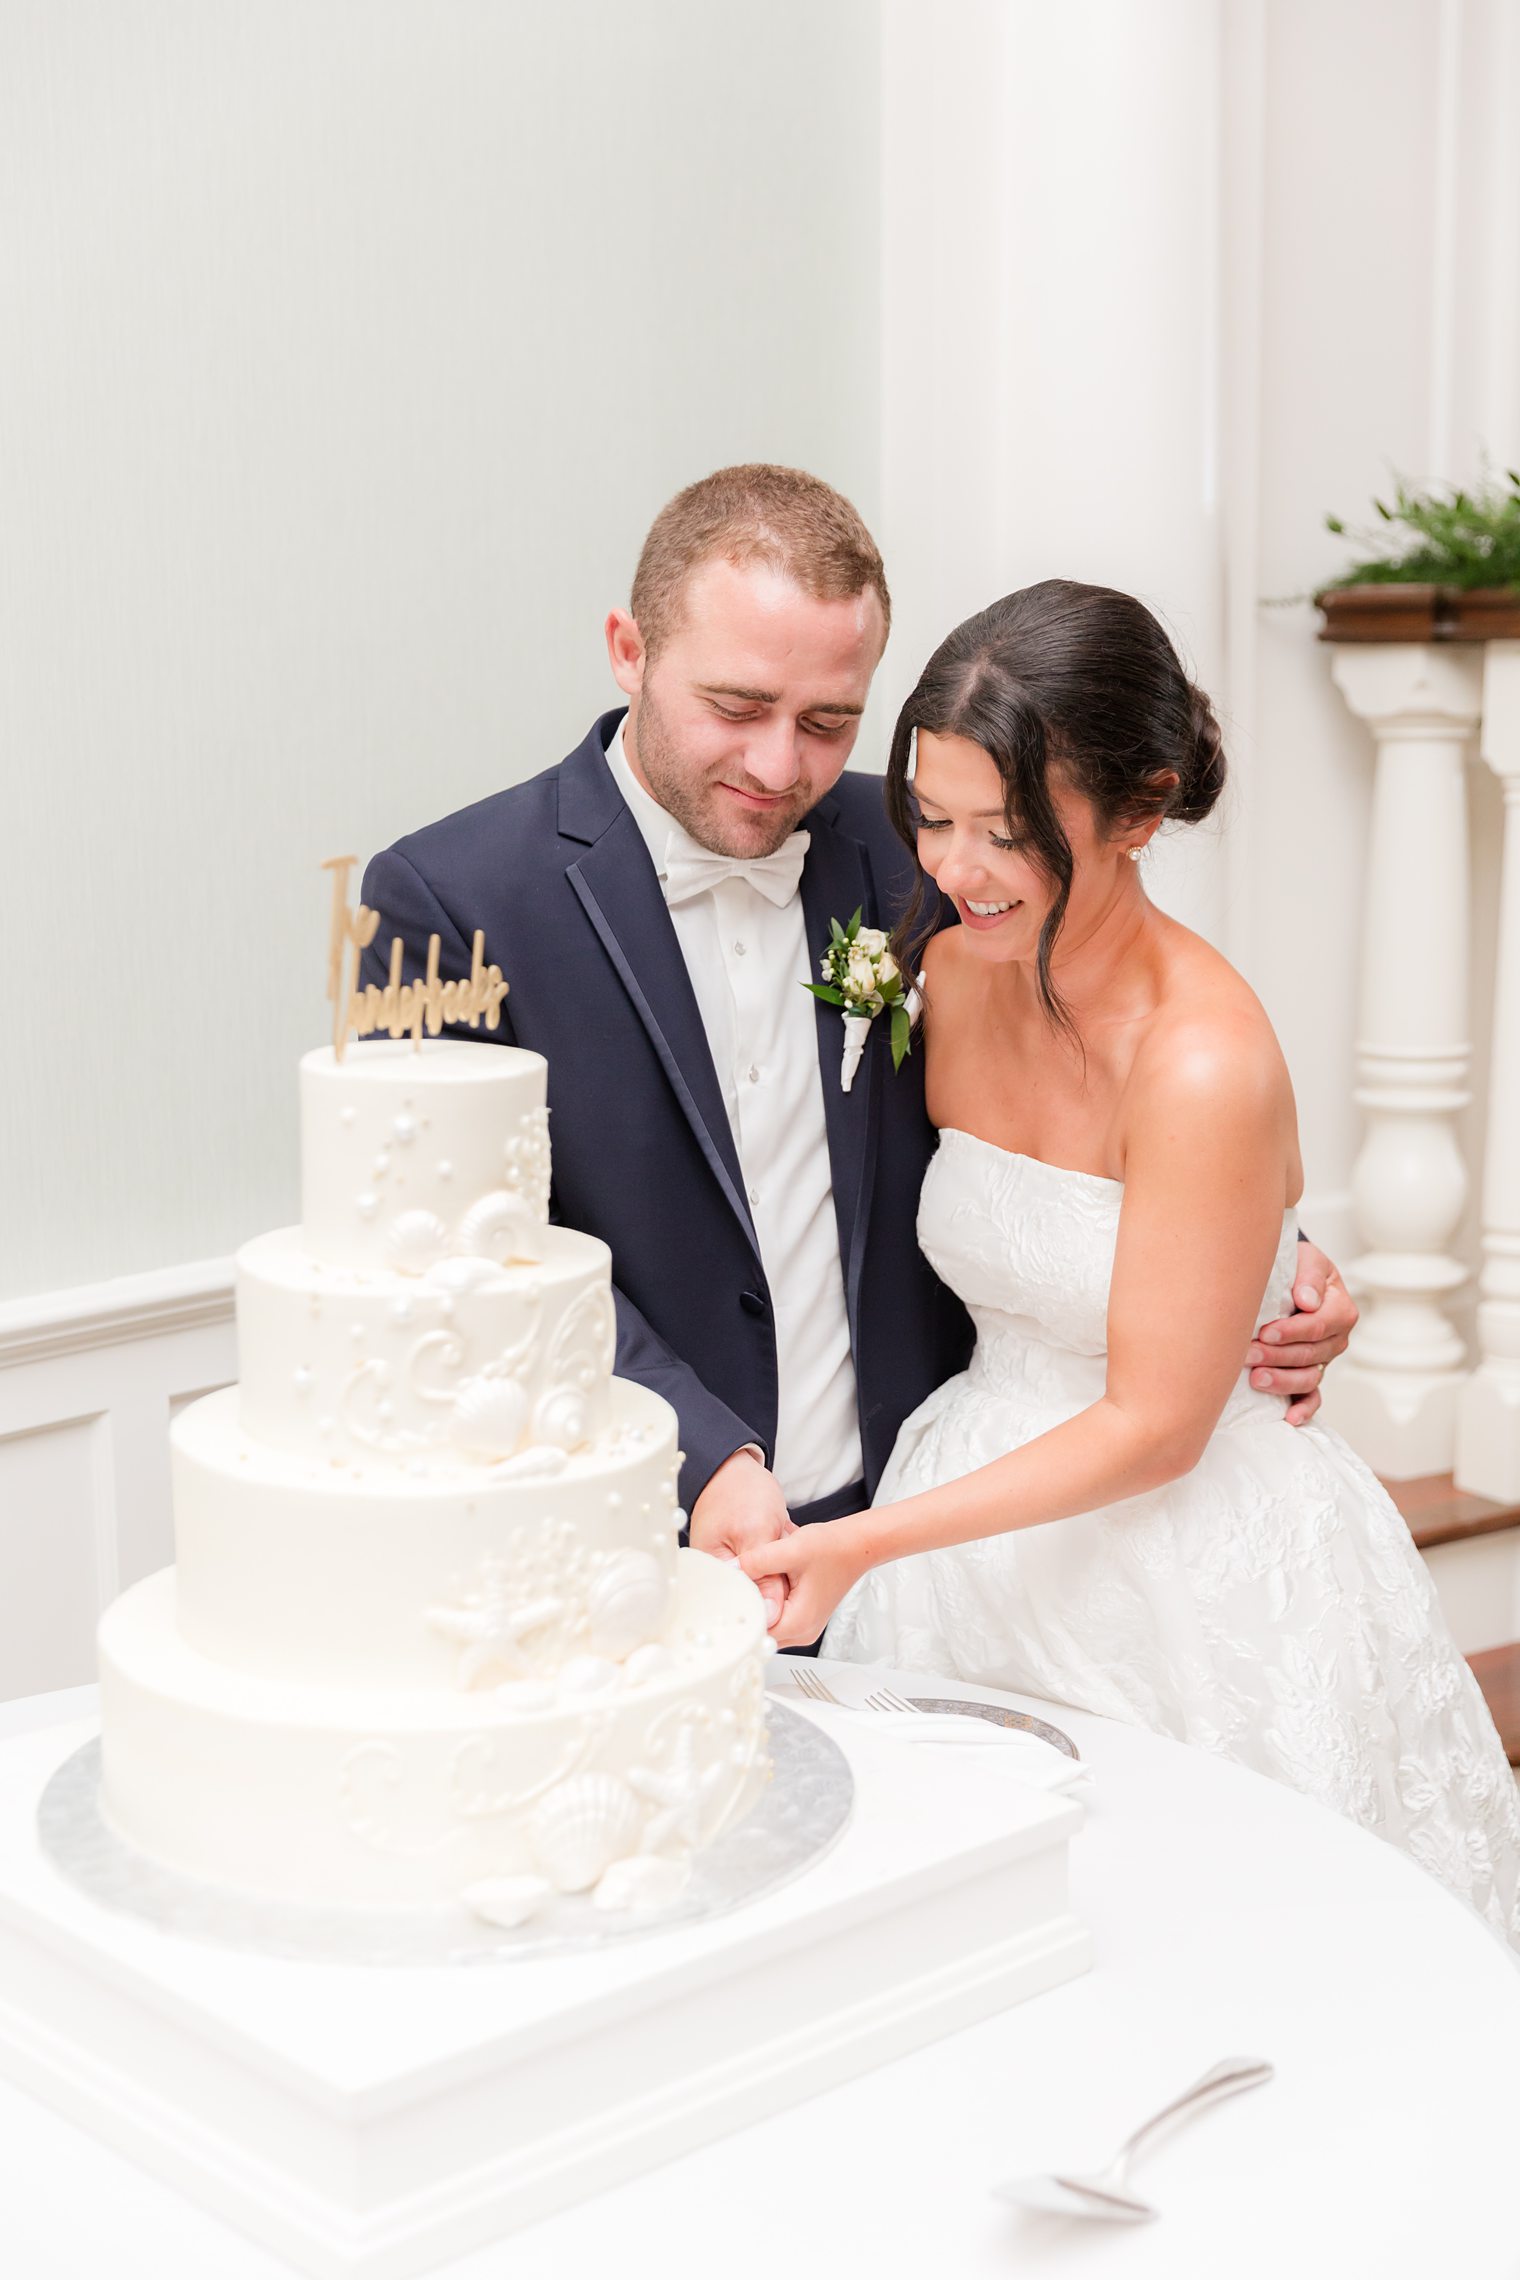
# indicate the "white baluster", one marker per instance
pixel 1395 1395
pixel 1488 1418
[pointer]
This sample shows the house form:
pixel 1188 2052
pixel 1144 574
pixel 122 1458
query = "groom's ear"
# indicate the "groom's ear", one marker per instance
pixel 626 653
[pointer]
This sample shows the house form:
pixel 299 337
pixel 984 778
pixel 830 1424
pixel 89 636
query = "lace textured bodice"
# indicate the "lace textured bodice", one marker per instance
pixel 1029 1247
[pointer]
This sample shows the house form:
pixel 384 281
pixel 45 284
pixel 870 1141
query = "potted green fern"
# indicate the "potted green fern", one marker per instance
pixel 1440 565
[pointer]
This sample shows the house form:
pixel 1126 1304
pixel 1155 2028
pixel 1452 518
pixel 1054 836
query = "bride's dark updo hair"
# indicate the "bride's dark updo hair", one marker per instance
pixel 1064 676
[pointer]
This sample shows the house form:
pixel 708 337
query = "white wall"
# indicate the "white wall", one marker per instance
pixel 346 349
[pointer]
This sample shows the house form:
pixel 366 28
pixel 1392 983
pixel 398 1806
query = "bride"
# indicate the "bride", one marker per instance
pixel 1089 1513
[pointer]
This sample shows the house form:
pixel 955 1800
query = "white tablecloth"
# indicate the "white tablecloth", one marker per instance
pixel 1230 1917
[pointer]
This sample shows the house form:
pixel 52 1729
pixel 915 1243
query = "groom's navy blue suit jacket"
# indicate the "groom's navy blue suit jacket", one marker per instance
pixel 557 874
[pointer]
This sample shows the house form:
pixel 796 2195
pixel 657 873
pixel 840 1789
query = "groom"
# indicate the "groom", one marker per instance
pixel 657 901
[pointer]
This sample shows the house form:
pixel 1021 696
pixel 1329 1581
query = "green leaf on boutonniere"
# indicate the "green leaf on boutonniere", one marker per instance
pixel 902 1035
pixel 829 995
pixel 836 931
pixel 890 991
pixel 853 928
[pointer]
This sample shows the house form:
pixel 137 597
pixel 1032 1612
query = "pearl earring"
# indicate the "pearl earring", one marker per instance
pixel 1134 854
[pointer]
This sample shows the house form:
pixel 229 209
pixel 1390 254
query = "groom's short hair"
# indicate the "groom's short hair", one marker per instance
pixel 781 516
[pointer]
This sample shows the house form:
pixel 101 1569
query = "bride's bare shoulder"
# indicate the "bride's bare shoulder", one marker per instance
pixel 1210 1039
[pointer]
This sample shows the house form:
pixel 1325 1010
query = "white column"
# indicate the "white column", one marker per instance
pixel 1395 1395
pixel 1050 327
pixel 1488 1420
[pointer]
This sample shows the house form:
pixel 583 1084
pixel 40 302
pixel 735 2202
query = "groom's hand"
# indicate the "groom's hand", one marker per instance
pixel 741 1508
pixel 1290 1356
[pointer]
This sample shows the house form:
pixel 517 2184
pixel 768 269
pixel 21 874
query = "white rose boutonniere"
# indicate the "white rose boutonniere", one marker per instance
pixel 861 977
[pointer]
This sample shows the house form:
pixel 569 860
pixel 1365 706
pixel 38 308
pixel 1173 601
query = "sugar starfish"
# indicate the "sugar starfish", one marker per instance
pixel 681 1790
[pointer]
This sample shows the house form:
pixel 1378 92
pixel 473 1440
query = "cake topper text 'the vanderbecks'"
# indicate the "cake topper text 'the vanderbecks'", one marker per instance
pixel 402 1008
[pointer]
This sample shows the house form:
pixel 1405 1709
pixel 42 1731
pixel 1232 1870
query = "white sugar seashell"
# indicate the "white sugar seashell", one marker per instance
pixel 647 1664
pixel 626 1603
pixel 488 1419
pixel 583 1675
pixel 415 1240
pixel 500 1227
pixel 562 1419
pixel 642 1881
pixel 507 1900
pixel 464 1274
pixel 582 1826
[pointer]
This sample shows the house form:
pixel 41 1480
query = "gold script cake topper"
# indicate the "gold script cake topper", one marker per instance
pixel 401 1008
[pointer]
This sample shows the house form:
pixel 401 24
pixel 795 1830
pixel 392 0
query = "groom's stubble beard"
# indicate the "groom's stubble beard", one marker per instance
pixel 688 792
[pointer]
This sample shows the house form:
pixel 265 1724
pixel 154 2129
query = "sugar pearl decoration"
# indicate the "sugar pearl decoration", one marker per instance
pixel 401 1310
pixel 405 1128
pixel 380 1166
pixel 345 1116
pixel 301 1380
pixel 444 1168
pixel 366 1205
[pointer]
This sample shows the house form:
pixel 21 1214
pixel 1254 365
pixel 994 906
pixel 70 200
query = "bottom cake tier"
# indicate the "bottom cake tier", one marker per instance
pixel 405 1798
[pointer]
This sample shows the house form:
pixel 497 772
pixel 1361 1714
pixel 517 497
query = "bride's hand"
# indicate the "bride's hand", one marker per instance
pixel 819 1565
pixel 1291 1356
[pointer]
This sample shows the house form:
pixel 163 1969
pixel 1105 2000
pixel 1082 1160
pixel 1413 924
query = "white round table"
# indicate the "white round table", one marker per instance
pixel 1230 1917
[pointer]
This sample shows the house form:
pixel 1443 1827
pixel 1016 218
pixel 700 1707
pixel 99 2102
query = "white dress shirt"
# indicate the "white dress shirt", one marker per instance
pixel 747 960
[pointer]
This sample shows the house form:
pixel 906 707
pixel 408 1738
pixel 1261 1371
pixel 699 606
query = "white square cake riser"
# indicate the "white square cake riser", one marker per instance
pixel 370 2124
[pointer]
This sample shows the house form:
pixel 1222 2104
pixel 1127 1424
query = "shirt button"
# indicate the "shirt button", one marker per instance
pixel 754 1195
pixel 739 949
pixel 753 1074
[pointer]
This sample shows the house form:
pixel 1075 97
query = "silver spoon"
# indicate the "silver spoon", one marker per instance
pixel 1104 2194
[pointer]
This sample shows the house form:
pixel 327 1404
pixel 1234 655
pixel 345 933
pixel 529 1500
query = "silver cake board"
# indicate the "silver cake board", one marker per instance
pixel 371 2124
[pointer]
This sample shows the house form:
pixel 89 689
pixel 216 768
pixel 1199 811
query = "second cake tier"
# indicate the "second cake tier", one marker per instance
pixel 296 1568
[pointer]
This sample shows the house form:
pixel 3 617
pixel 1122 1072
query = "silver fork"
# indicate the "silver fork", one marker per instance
pixel 807 1681
pixel 885 1699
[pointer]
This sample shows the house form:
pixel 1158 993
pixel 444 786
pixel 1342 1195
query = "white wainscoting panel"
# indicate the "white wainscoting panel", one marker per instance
pixel 89 1380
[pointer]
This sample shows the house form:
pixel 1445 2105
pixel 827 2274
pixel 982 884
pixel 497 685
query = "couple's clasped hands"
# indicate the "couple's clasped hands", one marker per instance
pixel 803 1573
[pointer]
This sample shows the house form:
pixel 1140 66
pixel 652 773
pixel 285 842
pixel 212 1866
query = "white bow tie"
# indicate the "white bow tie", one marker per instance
pixel 691 870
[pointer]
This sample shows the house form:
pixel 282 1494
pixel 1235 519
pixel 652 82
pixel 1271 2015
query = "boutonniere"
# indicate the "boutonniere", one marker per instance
pixel 861 977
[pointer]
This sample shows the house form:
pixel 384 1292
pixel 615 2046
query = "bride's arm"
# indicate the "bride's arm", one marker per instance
pixel 1207 1148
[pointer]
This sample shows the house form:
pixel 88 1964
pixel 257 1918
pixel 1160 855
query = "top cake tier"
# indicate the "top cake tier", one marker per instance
pixel 409 1156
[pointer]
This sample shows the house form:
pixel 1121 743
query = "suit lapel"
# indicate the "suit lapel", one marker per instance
pixel 836 882
pixel 615 882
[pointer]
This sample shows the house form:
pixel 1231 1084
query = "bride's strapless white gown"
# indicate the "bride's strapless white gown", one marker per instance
pixel 1269 1606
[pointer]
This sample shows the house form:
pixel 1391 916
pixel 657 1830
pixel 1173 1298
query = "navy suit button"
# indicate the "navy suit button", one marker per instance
pixel 754 1302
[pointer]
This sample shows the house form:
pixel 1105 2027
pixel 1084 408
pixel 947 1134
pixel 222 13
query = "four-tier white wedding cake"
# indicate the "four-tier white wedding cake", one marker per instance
pixel 431 1637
